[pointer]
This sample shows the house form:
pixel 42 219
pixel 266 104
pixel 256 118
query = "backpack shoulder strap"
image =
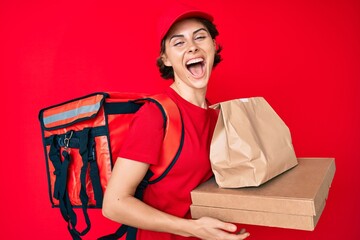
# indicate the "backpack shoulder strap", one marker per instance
pixel 173 139
pixel 172 145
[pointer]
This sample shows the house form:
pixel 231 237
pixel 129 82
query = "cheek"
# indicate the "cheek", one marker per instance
pixel 211 49
pixel 211 54
pixel 174 56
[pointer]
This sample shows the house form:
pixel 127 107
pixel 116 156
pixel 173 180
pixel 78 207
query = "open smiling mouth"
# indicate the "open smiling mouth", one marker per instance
pixel 196 67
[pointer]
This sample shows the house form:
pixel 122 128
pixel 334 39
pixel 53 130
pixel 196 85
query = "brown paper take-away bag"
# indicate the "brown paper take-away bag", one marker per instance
pixel 251 144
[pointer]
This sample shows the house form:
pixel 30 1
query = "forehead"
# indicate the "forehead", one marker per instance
pixel 185 26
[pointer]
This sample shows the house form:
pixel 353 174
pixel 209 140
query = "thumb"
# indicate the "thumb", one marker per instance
pixel 229 227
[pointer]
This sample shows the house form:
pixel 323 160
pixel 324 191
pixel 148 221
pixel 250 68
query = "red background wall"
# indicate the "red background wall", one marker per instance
pixel 302 56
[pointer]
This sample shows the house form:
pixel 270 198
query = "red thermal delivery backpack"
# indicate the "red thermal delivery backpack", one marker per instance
pixel 82 138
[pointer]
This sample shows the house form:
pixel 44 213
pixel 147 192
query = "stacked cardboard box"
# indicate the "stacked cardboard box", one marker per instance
pixel 294 199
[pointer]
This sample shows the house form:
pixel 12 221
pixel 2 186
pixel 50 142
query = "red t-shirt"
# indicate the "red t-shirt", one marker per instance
pixel 172 193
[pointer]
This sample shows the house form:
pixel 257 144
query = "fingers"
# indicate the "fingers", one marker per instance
pixel 243 234
pixel 215 223
pixel 229 227
pixel 210 228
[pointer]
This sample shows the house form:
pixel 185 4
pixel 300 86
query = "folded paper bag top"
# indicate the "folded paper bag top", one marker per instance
pixel 250 145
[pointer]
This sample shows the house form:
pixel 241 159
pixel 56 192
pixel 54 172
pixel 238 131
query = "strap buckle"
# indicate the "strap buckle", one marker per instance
pixel 67 140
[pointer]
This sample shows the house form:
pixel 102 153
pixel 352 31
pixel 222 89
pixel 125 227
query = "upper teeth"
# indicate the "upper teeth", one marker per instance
pixel 195 60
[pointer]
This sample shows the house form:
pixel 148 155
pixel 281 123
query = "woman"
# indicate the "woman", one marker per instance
pixel 188 54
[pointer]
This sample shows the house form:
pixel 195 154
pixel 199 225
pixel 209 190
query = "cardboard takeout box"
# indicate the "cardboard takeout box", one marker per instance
pixel 294 199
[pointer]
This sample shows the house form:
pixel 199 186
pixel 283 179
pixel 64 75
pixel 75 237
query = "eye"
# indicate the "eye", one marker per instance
pixel 178 43
pixel 200 37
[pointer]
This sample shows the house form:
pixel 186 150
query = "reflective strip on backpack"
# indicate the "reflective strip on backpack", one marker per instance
pixel 73 111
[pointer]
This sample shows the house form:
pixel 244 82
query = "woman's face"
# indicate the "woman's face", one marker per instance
pixel 190 51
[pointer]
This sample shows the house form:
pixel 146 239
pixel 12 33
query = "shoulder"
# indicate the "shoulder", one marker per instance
pixel 149 114
pixel 150 109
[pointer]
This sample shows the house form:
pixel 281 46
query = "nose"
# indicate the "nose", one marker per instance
pixel 192 47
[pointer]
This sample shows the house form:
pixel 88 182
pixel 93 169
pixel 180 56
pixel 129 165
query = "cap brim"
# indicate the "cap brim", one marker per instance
pixel 177 15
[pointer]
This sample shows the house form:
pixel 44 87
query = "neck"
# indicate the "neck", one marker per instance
pixel 194 96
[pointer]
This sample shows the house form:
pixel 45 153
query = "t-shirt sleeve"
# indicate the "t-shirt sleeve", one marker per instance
pixel 146 132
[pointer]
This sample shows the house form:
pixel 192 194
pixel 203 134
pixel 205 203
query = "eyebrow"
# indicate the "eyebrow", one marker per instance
pixel 181 35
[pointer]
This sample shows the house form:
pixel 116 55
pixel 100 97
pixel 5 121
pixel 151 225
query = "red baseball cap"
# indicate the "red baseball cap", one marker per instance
pixel 178 12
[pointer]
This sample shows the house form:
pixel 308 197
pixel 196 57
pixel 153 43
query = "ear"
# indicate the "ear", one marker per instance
pixel 214 42
pixel 165 60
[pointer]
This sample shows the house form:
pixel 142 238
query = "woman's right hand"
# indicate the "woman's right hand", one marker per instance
pixel 213 229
